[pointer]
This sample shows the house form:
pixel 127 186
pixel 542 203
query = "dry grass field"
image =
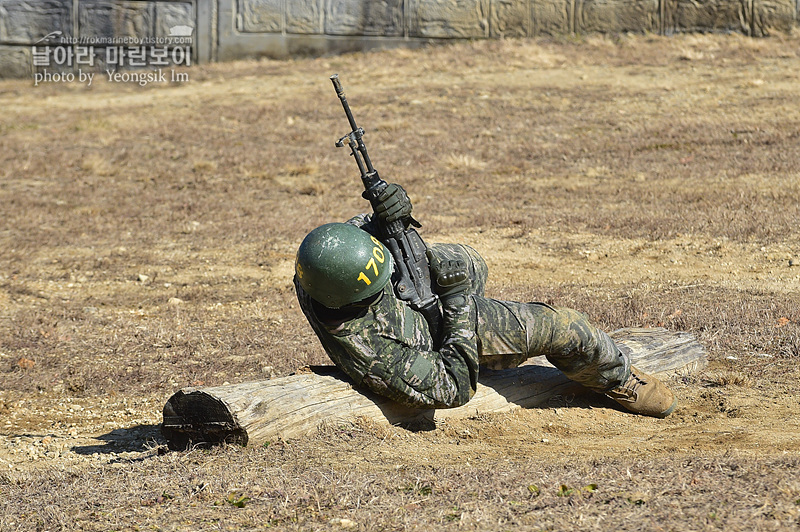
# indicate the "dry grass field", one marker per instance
pixel 148 236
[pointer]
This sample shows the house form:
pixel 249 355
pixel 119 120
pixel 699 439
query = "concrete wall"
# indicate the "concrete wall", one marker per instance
pixel 285 27
pixel 231 29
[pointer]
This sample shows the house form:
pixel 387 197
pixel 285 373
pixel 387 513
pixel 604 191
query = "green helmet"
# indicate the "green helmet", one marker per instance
pixel 339 264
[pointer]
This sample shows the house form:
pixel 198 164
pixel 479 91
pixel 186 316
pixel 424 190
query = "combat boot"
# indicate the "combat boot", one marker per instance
pixel 645 395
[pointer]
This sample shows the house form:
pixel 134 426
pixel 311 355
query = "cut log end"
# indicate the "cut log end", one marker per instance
pixel 196 418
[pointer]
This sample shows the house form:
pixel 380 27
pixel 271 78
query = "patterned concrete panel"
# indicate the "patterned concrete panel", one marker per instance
pixel 448 19
pixel 355 17
pixel 773 15
pixel 617 16
pixel 25 22
pixel 303 16
pixel 553 17
pixel 15 62
pixel 510 18
pixel 260 16
pixel 707 15
pixel 109 19
pixel 173 17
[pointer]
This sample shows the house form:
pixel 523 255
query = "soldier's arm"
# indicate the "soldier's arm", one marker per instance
pixel 441 379
pixel 419 378
pixel 393 368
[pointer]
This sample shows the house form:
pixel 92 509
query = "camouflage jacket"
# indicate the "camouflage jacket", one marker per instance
pixel 389 349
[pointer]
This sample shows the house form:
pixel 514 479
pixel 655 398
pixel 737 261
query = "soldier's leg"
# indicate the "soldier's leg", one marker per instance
pixel 587 355
pixel 572 344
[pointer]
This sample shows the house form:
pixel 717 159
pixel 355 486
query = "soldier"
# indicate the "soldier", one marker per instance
pixel 343 278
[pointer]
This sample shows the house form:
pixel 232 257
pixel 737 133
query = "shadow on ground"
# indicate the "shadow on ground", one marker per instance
pixel 133 439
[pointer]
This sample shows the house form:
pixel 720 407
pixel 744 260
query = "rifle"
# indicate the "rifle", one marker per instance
pixel 412 278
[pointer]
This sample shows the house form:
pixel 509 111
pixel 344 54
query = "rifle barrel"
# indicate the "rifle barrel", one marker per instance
pixel 340 93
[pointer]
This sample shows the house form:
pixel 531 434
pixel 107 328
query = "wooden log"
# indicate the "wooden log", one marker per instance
pixel 287 407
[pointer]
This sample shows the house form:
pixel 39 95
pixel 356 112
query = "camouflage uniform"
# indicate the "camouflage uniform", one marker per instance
pixel 388 346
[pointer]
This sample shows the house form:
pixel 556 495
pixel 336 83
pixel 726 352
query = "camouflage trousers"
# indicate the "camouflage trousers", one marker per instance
pixel 510 333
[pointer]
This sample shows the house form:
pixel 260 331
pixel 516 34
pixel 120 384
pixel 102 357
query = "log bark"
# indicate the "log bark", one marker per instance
pixel 287 407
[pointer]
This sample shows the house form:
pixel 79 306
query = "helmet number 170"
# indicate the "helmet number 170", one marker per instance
pixel 377 254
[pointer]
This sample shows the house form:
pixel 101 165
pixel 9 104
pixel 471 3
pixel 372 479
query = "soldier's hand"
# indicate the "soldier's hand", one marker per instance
pixel 393 204
pixel 451 276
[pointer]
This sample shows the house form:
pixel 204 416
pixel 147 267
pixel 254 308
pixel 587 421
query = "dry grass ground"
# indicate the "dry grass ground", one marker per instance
pixel 148 236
